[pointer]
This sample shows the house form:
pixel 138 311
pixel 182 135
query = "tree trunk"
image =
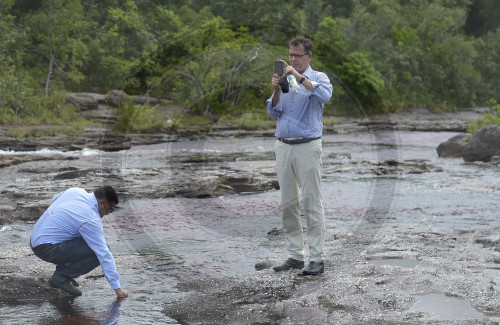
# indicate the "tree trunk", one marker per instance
pixel 49 74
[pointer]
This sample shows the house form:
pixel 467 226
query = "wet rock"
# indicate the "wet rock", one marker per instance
pixel 12 144
pixel 114 142
pixel 453 147
pixel 142 100
pixel 276 232
pixel 263 265
pixel 30 200
pixel 86 101
pixel 71 174
pixel 423 119
pixel 495 160
pixel 492 241
pixel 20 290
pixel 233 301
pixel 483 145
pixel 245 183
pixel 309 315
pixel 387 168
pixel 116 97
pixel 350 292
pixel 7 160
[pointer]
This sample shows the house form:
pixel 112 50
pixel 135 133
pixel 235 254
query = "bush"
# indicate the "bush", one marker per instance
pixel 365 82
pixel 253 121
pixel 52 111
pixel 141 119
pixel 491 117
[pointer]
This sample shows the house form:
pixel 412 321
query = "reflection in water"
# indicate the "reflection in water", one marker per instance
pixel 113 314
pixel 72 314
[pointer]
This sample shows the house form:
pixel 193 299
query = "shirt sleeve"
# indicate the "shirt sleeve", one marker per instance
pixel 274 112
pixel 56 196
pixel 322 88
pixel 93 234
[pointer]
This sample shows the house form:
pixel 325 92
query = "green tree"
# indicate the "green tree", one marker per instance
pixel 363 81
pixel 58 50
pixel 202 63
pixel 15 86
pixel 122 41
pixel 448 61
pixel 488 64
pixel 418 48
pixel 215 77
pixel 483 17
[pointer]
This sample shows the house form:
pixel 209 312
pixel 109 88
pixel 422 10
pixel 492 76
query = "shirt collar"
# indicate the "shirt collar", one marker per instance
pixel 93 199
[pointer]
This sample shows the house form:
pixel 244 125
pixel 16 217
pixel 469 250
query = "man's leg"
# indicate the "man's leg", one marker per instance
pixel 292 224
pixel 73 258
pixel 308 167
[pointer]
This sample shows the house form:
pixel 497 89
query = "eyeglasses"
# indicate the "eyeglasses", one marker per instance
pixel 111 208
pixel 297 56
pixel 108 207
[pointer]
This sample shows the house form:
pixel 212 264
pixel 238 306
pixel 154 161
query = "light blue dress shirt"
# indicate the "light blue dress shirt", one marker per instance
pixel 300 115
pixel 74 213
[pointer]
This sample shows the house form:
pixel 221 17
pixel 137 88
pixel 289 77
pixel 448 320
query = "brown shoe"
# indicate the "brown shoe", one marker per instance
pixel 290 263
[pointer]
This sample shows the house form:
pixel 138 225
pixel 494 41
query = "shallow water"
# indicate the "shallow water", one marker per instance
pixel 445 308
pixel 154 240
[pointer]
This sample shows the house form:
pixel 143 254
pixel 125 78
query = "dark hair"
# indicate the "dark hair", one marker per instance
pixel 106 192
pixel 305 42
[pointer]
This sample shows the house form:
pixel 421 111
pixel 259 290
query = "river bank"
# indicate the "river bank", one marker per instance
pixel 199 229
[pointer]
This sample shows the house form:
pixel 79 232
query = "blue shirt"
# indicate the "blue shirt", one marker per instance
pixel 301 115
pixel 74 213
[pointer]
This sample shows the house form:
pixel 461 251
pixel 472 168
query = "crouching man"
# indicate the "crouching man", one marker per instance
pixel 70 234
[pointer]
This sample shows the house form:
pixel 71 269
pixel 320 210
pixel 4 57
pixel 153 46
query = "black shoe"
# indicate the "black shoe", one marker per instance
pixel 290 263
pixel 73 282
pixel 314 268
pixel 66 286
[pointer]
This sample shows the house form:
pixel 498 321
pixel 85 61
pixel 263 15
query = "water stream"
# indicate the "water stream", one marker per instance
pixel 155 239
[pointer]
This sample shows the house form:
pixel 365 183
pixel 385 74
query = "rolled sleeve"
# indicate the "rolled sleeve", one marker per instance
pixel 93 234
pixel 275 111
pixel 322 88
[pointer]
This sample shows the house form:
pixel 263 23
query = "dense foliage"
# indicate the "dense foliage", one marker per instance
pixel 216 57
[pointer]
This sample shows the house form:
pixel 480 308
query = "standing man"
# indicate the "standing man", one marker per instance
pixel 70 234
pixel 298 155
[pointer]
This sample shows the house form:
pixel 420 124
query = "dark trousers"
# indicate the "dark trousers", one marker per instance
pixel 72 258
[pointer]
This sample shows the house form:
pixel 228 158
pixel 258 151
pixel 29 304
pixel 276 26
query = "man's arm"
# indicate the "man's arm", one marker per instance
pixel 322 88
pixel 93 234
pixel 277 90
pixel 273 103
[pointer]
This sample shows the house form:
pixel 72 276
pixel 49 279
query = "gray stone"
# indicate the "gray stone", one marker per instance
pixel 495 160
pixel 116 97
pixel 84 101
pixel 453 147
pixel 483 145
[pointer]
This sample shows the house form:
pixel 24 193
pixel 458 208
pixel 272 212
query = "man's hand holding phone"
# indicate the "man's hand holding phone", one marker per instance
pixel 279 78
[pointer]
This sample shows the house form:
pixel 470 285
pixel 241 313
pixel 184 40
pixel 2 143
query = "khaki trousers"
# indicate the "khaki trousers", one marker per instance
pixel 299 168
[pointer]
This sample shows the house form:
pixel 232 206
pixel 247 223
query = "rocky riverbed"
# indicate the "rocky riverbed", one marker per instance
pixel 411 237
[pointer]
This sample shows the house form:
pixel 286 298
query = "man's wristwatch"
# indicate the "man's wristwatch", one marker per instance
pixel 302 79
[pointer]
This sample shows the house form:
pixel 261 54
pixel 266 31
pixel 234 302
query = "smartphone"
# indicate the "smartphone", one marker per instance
pixel 278 67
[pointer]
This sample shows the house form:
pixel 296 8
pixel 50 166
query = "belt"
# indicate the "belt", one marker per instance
pixel 297 141
pixel 39 247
